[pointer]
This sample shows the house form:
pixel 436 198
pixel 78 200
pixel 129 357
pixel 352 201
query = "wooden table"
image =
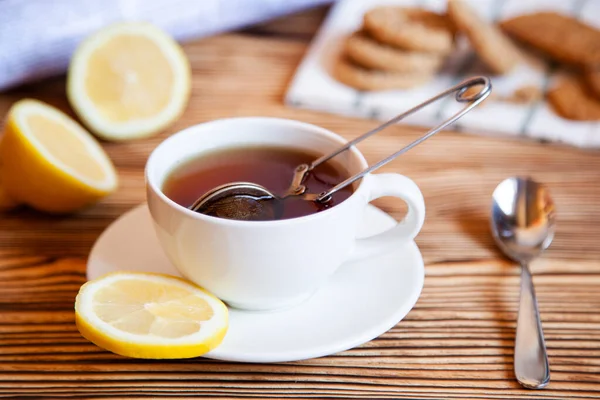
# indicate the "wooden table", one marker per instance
pixel 456 343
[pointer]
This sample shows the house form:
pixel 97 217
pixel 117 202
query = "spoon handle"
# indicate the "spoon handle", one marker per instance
pixel 531 361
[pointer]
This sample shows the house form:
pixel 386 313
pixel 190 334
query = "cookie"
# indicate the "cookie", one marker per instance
pixel 410 28
pixel 369 53
pixel 370 79
pixel 560 37
pixel 592 79
pixel 571 100
pixel 491 45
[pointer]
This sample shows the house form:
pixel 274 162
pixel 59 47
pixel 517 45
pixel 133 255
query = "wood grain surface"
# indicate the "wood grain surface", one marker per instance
pixel 456 343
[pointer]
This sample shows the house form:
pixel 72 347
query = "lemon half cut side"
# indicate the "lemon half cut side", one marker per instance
pixel 50 162
pixel 129 80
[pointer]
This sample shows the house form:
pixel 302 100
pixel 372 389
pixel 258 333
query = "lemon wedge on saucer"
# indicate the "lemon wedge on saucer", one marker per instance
pixel 129 80
pixel 146 315
pixel 50 162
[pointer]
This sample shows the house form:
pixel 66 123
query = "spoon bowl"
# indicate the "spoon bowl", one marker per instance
pixel 523 218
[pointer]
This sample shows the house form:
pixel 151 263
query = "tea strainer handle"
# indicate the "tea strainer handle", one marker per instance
pixel 461 96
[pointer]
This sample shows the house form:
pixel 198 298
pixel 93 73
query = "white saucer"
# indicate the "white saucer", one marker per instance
pixel 360 302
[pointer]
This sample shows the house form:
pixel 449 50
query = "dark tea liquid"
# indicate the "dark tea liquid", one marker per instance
pixel 271 167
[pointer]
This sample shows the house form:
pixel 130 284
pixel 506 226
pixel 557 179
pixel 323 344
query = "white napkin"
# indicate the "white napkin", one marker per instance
pixel 37 37
pixel 314 88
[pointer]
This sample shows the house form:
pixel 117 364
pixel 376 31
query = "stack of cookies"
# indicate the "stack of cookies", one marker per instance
pixel 396 48
pixel 404 47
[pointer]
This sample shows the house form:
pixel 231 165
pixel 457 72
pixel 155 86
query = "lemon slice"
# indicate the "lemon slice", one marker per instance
pixel 147 315
pixel 129 80
pixel 50 162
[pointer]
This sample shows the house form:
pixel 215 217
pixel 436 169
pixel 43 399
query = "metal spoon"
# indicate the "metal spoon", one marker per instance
pixel 235 201
pixel 523 226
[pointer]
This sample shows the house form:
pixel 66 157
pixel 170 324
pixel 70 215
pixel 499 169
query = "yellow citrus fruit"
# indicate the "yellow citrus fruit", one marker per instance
pixel 50 162
pixel 146 315
pixel 129 80
pixel 6 202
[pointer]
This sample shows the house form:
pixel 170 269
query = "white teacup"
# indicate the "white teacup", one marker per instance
pixel 270 264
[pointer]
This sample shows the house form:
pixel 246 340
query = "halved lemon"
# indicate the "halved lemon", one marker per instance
pixel 6 202
pixel 50 162
pixel 129 80
pixel 146 315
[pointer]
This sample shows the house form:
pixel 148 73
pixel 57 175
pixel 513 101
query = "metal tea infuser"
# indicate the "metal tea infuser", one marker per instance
pixel 248 201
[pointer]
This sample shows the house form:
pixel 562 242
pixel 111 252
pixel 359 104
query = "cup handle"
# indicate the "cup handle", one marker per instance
pixel 396 185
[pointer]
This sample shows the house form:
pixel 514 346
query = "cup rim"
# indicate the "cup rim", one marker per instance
pixel 231 222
